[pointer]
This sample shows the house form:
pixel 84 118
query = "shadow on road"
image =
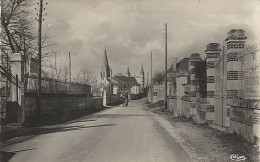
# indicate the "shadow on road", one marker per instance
pixel 6 156
pixel 29 133
pixel 118 115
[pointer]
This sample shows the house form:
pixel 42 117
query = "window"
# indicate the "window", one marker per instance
pixel 232 56
pixel 210 108
pixel 210 79
pixel 234 93
pixel 212 55
pixel 235 75
pixel 228 110
pixel 210 94
pixel 235 45
pixel 210 64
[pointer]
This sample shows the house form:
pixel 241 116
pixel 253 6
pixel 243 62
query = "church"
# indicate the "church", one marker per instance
pixel 120 84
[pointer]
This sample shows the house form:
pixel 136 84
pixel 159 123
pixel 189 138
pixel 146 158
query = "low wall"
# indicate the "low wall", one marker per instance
pixel 185 108
pixel 136 96
pixel 179 107
pixel 245 119
pixel 201 112
pixel 60 105
pixel 241 123
pixel 115 100
pixel 172 104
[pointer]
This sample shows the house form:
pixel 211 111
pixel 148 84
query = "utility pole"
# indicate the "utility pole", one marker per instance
pixel 151 68
pixel 39 57
pixel 151 87
pixel 110 87
pixel 165 98
pixel 70 66
pixel 223 75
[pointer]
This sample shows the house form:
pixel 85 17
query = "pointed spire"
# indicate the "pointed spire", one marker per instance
pixel 142 70
pixel 128 72
pixel 105 60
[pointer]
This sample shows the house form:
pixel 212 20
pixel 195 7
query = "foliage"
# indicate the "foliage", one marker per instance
pixel 158 78
pixel 201 77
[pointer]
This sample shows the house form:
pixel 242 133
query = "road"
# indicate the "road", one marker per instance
pixel 123 134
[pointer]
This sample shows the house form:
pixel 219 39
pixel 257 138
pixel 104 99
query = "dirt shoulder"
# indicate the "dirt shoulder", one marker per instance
pixel 206 143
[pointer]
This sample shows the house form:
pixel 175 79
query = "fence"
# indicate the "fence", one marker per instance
pixel 50 85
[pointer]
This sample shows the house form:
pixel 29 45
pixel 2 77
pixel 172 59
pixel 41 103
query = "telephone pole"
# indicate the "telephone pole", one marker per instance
pixel 151 87
pixel 70 66
pixel 39 58
pixel 151 68
pixel 110 87
pixel 165 98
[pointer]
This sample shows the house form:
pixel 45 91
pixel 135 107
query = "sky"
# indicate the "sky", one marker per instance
pixel 131 29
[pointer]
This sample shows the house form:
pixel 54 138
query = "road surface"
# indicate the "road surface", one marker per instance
pixel 120 134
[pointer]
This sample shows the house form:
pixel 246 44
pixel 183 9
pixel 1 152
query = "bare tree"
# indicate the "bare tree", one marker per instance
pixel 17 33
pixel 85 76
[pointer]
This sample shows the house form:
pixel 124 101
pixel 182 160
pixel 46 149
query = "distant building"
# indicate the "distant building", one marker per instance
pixel 141 79
pixel 125 84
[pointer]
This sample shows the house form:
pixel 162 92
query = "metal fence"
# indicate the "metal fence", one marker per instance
pixel 50 85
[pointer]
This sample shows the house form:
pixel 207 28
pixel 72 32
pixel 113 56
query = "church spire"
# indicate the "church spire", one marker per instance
pixel 142 70
pixel 105 60
pixel 105 72
pixel 128 72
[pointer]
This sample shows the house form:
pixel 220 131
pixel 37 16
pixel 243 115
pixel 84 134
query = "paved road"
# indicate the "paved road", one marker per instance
pixel 117 134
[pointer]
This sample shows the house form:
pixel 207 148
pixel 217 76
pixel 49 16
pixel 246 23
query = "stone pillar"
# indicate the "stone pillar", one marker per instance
pixel 17 64
pixel 104 98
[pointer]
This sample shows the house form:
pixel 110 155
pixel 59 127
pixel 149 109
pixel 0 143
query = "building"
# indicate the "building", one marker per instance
pixel 125 84
pixel 212 53
pixel 141 79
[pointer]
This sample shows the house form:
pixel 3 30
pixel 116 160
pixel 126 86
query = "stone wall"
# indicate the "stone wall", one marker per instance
pixel 115 100
pixel 60 104
pixel 241 123
pixel 179 107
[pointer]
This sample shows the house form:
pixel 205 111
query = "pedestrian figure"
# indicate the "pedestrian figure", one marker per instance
pixel 125 104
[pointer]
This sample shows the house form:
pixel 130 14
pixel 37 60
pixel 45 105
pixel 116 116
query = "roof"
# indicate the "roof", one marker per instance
pixel 195 56
pixel 183 65
pixel 126 80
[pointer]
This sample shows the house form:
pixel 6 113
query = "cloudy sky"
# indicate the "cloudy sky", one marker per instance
pixel 132 28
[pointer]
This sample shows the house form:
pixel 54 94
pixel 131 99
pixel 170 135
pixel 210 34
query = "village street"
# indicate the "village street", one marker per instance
pixel 130 133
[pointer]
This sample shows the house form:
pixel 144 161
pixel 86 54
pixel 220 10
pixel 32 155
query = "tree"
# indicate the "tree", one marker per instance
pixel 201 77
pixel 158 78
pixel 17 33
pixel 85 76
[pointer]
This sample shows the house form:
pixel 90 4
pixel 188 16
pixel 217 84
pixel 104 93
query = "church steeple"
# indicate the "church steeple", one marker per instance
pixel 142 75
pixel 128 72
pixel 105 71
pixel 142 70
pixel 105 60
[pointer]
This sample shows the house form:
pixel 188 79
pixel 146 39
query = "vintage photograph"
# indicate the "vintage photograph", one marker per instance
pixel 130 81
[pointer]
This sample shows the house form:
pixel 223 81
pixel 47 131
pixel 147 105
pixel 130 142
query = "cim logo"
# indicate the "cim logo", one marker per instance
pixel 236 157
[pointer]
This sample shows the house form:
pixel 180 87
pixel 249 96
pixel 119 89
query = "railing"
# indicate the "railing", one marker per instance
pixel 50 85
